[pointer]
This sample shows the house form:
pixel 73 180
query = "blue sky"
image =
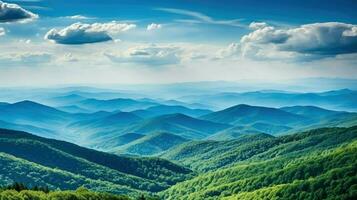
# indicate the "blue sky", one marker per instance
pixel 116 41
pixel 305 11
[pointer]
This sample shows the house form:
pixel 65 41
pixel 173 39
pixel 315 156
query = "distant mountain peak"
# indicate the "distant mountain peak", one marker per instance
pixel 247 114
pixel 28 103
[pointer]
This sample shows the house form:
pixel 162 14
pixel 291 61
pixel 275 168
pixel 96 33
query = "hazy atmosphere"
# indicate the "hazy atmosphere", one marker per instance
pixel 178 100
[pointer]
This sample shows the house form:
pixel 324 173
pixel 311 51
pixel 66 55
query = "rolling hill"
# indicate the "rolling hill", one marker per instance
pixel 237 131
pixel 127 138
pixel 106 133
pixel 311 111
pixel 177 124
pixel 208 155
pixel 45 160
pixel 111 105
pixel 72 109
pixel 165 110
pixel 151 144
pixel 320 117
pixel 32 113
pixel 336 100
pixel 28 128
pixel 318 164
pixel 246 114
pixel 65 100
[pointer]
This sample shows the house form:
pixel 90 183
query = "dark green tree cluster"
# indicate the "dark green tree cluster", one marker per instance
pixel 19 191
pixel 20 186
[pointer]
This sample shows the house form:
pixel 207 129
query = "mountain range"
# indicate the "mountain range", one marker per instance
pixel 278 144
pixel 336 100
pixel 106 130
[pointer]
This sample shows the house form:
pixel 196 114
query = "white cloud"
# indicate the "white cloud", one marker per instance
pixel 79 33
pixel 351 33
pixel 2 31
pixel 153 55
pixel 330 38
pixel 153 26
pixel 257 25
pixel 232 50
pixel 14 13
pixel 305 43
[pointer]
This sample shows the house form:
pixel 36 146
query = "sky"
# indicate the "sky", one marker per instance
pixel 61 42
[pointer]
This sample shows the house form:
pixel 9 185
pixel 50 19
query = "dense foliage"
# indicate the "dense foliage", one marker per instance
pixel 79 194
pixel 33 160
pixel 19 191
pixel 151 144
pixel 208 155
pixel 211 155
pixel 320 164
pixel 316 164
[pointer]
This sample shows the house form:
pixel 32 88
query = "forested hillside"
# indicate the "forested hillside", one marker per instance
pixel 208 155
pixel 19 191
pixel 79 194
pixel 151 144
pixel 34 160
pixel 319 164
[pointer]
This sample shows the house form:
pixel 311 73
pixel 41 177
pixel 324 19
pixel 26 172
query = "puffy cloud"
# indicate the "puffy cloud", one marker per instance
pixel 148 55
pixel 324 39
pixel 153 26
pixel 2 31
pixel 26 57
pixel 233 49
pixel 79 33
pixel 257 25
pixel 14 13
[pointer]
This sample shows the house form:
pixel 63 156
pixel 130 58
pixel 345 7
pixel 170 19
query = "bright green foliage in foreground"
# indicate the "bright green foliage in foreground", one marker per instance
pixel 212 155
pixel 32 174
pixel 38 161
pixel 80 194
pixel 320 164
pixel 19 191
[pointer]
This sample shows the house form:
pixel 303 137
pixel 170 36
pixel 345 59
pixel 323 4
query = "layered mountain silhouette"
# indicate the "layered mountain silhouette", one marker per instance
pixel 246 114
pixel 113 123
pixel 151 144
